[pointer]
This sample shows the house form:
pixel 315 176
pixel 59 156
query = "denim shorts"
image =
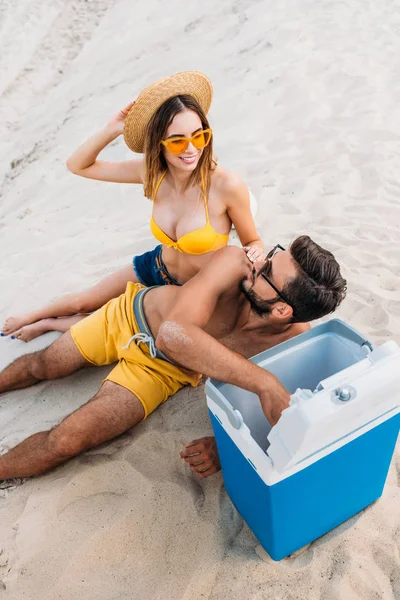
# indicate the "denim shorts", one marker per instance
pixel 151 270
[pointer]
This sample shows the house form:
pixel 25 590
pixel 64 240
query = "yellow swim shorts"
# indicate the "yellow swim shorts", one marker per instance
pixel 101 338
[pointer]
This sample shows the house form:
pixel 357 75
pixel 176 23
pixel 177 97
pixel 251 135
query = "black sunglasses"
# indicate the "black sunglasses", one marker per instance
pixel 269 257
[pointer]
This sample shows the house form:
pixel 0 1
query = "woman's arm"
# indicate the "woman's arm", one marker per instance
pixel 238 208
pixel 84 161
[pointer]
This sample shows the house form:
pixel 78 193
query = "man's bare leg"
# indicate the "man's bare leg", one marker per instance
pixel 58 360
pixel 82 302
pixel 112 411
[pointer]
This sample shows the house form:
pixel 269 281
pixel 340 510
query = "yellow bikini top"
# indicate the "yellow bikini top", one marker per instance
pixel 200 241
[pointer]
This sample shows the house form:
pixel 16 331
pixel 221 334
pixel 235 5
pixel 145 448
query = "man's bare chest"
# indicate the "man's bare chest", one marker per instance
pixel 232 327
pixel 243 332
pixel 248 343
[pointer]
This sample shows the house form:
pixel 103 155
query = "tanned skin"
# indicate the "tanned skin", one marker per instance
pixel 210 325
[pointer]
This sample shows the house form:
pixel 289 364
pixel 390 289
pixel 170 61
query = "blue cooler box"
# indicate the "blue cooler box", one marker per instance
pixel 328 456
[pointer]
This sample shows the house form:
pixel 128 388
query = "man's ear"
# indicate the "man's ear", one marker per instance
pixel 282 311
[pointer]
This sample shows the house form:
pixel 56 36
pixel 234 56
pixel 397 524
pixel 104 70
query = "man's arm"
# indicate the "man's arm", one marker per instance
pixel 182 337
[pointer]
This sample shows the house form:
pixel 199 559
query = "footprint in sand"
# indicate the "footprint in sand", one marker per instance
pixel 10 484
pixel 3 559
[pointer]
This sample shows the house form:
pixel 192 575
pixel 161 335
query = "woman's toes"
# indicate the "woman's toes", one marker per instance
pixel 30 332
pixel 6 328
pixel 19 335
pixel 12 324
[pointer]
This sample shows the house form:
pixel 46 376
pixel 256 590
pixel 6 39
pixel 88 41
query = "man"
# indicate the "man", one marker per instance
pixel 163 337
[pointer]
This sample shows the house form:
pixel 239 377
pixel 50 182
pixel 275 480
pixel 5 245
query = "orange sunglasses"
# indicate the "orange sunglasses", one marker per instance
pixel 179 144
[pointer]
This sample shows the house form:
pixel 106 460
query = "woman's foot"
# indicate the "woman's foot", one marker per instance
pixel 62 324
pixel 14 323
pixel 30 332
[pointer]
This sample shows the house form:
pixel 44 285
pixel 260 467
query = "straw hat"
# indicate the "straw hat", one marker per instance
pixel 151 98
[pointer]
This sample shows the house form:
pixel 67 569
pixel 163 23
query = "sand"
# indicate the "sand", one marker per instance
pixel 306 111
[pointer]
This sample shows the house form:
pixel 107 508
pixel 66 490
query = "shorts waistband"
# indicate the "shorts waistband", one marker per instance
pixel 143 326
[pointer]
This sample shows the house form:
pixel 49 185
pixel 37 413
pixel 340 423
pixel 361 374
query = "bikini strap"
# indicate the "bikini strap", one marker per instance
pixel 205 198
pixel 158 184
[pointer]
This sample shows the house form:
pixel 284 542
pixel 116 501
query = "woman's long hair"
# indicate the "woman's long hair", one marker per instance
pixel 154 160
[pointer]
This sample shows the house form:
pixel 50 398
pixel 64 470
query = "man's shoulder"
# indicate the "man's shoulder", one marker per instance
pixel 278 338
pixel 231 258
pixel 233 252
pixel 227 267
pixel 298 328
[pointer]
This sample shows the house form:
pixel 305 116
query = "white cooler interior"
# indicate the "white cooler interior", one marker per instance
pixel 302 366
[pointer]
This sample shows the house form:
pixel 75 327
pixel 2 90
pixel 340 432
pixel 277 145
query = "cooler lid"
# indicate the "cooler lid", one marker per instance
pixel 340 405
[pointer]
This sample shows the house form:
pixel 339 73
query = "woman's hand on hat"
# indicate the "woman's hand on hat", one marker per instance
pixel 118 121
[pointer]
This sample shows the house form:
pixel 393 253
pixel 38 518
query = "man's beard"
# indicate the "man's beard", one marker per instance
pixel 260 307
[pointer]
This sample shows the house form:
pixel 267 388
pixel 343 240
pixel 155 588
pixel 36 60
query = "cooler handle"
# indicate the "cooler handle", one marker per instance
pixel 234 416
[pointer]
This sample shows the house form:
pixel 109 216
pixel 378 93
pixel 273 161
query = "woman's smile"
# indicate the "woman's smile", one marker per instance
pixel 189 160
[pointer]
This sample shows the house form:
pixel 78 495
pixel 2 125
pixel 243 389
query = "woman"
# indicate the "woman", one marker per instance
pixel 195 202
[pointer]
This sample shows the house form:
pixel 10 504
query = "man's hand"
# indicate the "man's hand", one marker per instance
pixel 202 456
pixel 274 399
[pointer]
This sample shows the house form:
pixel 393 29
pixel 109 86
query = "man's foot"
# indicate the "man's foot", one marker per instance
pixel 202 456
pixel 14 323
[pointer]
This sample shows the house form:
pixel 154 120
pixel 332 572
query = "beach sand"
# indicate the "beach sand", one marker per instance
pixel 306 110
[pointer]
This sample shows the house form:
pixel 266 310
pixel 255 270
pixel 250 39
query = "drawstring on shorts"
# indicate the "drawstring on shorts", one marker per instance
pixel 143 338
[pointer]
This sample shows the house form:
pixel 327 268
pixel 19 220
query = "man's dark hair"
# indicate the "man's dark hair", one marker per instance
pixel 319 287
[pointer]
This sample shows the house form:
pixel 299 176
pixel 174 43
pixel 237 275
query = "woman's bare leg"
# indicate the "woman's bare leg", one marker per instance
pixel 73 304
pixel 62 324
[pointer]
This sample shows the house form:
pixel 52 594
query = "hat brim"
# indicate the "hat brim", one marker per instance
pixel 193 83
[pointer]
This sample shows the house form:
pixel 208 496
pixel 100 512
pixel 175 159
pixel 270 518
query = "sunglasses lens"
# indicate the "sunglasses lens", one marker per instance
pixel 201 139
pixel 266 269
pixel 177 145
